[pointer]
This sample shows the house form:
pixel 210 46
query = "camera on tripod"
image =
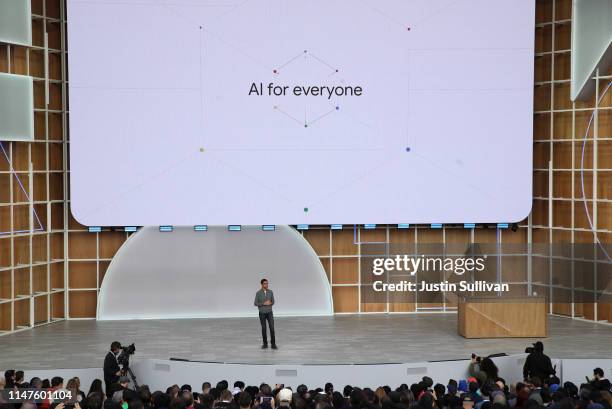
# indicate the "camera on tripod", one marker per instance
pixel 124 357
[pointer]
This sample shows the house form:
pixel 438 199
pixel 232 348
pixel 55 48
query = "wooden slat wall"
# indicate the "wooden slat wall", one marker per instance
pixel 558 214
pixel 32 262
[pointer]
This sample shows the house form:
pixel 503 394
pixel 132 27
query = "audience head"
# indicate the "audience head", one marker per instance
pixel 57 382
pixel 36 382
pixel 111 404
pixel 244 400
pixel 135 404
pixel 223 385
pixel 72 384
pixel 160 400
pixel 207 401
pixel 226 396
pixel 9 378
pixel 284 397
pixel 338 400
pixel 426 401
pixel 356 398
pixel 145 395
pixel 473 387
pixel 124 381
pixel 177 403
pixel 206 387
pixel 94 401
pixel 439 390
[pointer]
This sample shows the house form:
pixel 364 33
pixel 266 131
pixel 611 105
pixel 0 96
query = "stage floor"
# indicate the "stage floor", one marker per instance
pixel 306 340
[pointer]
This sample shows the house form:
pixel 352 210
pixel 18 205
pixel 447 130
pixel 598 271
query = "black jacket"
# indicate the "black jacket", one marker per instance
pixel 538 364
pixel 601 384
pixel 111 367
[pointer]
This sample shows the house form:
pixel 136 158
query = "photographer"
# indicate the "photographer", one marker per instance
pixel 483 369
pixel 112 371
pixel 537 364
pixel 599 381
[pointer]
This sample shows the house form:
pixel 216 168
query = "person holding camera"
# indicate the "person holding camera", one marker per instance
pixel 112 371
pixel 483 369
pixel 599 381
pixel 537 363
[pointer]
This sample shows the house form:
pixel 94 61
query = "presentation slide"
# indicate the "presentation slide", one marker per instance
pixel 191 112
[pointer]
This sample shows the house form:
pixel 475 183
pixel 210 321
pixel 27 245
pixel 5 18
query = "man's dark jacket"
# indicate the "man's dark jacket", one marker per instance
pixel 111 367
pixel 538 364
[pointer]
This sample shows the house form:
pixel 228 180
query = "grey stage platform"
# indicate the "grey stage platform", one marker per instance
pixel 316 340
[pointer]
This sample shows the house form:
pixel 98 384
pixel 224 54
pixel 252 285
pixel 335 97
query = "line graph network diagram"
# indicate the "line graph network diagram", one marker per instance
pixel 164 129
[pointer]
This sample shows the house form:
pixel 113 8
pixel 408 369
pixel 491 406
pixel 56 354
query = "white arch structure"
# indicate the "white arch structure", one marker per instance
pixel 214 273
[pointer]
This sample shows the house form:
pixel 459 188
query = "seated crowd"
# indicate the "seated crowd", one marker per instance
pixel 483 389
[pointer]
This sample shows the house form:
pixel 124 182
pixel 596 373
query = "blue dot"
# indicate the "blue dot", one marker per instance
pixel 408 149
pixel 337 108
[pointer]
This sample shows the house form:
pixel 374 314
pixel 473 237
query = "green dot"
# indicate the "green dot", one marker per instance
pixel 305 210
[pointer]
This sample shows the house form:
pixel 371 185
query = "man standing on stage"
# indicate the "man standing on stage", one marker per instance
pixel 264 300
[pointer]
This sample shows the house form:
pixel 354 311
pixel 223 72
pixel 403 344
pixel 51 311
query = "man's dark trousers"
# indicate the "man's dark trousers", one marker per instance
pixel 263 317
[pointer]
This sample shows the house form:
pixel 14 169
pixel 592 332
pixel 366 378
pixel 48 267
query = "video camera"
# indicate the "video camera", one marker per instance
pixel 124 357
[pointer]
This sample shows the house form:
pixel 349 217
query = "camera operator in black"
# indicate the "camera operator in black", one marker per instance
pixel 112 371
pixel 537 363
pixel 599 380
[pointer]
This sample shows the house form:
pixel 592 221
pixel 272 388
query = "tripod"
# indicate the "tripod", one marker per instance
pixel 130 373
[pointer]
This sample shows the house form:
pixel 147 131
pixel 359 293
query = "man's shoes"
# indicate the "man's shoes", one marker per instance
pixel 265 346
pixel 274 346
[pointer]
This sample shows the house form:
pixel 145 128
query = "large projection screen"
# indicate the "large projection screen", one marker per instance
pixel 288 112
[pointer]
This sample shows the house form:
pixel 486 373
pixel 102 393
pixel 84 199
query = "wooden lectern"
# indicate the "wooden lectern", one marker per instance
pixel 502 317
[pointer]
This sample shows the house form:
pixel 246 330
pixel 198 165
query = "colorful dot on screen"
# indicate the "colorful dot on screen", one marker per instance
pixel 408 149
pixel 305 210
